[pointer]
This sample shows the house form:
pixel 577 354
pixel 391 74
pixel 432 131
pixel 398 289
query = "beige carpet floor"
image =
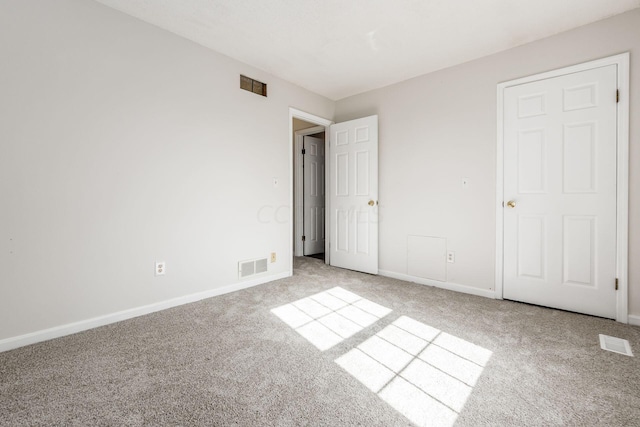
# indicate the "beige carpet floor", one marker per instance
pixel 395 354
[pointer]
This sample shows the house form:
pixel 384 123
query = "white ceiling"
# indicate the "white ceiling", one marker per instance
pixel 339 48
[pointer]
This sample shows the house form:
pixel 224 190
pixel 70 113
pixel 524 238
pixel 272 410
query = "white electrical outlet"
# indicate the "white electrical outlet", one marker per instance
pixel 160 268
pixel 465 183
pixel 273 257
pixel 451 257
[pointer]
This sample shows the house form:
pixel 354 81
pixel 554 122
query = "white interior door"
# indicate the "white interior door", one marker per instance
pixel 560 192
pixel 354 194
pixel 314 196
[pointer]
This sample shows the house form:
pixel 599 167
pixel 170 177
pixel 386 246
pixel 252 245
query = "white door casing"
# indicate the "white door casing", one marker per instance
pixel 353 194
pixel 562 240
pixel 314 195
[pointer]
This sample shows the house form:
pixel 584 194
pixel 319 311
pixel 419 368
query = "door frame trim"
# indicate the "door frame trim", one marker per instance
pixel 320 121
pixel 298 208
pixel 622 179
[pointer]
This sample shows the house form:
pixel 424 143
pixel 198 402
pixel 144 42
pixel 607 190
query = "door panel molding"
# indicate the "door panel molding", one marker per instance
pixel 622 174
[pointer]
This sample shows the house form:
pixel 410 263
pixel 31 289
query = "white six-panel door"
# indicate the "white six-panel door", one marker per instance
pixel 353 196
pixel 314 195
pixel 560 192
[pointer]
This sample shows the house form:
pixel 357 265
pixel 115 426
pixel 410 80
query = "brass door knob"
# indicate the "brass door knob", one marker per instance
pixel 511 204
pixel 371 203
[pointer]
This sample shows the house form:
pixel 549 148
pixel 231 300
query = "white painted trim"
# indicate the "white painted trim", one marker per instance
pixel 622 219
pixel 307 117
pixel 622 256
pixel 298 211
pixel 298 187
pixel 499 202
pixel 634 320
pixel 83 325
pixel 327 200
pixel 442 285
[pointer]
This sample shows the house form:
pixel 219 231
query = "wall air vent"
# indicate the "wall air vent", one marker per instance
pixel 252 267
pixel 247 83
pixel 261 265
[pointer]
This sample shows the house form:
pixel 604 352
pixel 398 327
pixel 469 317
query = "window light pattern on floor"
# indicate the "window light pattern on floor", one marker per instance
pixel 328 318
pixel 423 373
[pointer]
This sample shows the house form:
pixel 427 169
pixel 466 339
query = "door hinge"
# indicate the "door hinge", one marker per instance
pixel 304 238
pixel 616 283
pixel 304 151
pixel 617 95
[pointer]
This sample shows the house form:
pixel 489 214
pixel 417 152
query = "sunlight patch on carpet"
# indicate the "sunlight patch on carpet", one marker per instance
pixel 328 318
pixel 425 374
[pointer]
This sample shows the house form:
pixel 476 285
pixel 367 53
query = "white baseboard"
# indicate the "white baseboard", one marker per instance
pixel 83 325
pixel 634 320
pixel 444 285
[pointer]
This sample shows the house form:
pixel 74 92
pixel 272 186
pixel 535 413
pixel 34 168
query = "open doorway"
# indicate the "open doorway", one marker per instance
pixel 301 125
pixel 309 189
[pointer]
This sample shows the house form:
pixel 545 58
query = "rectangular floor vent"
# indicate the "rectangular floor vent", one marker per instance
pixel 617 345
pixel 252 267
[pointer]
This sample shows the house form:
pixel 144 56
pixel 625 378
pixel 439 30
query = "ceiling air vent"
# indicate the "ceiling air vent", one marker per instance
pixel 247 83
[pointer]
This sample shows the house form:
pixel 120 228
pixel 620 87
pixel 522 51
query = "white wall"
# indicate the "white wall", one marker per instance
pixel 441 127
pixel 122 144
